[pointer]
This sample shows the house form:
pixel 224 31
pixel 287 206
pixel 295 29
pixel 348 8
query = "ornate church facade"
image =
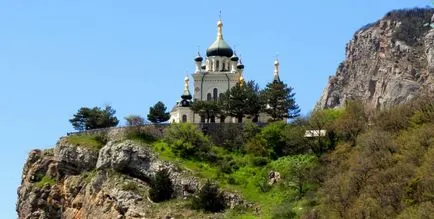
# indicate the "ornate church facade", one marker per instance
pixel 217 73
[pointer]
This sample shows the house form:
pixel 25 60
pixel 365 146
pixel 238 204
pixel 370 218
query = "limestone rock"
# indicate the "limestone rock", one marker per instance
pixel 383 66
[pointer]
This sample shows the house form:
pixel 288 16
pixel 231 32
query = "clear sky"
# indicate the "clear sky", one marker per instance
pixel 57 56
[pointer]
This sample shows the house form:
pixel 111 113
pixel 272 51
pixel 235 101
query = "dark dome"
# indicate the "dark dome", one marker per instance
pixel 234 58
pixel 219 48
pixel 240 66
pixel 198 59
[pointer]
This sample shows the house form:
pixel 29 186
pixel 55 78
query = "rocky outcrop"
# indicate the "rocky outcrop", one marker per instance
pixel 77 182
pixel 388 62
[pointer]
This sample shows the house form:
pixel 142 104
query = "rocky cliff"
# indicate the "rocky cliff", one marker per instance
pixel 387 62
pixel 78 181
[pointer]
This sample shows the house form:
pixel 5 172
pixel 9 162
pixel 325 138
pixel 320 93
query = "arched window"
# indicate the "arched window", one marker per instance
pixel 217 65
pixel 184 118
pixel 215 93
pixel 208 96
pixel 223 66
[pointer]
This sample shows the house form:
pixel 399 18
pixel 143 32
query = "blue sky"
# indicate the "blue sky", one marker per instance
pixel 57 56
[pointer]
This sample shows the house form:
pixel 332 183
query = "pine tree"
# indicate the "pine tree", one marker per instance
pixel 87 118
pixel 243 99
pixel 279 101
pixel 158 114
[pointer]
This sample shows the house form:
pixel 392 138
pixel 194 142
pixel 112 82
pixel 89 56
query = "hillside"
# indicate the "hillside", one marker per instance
pixel 387 62
pixel 377 169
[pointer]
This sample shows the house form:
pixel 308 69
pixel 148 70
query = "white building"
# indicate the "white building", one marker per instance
pixel 219 72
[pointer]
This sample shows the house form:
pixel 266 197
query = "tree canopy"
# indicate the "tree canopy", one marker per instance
pixel 94 118
pixel 158 114
pixel 279 101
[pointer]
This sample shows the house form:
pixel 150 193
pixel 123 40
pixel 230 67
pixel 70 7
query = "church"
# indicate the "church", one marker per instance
pixel 213 76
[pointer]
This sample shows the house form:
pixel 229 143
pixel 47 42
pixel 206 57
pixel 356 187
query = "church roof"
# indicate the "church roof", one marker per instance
pixel 219 47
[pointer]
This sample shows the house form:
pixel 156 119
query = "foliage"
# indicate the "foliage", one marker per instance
pixel 130 186
pixel 134 120
pixel 352 121
pixel 284 210
pixel 87 118
pixel 161 187
pixel 296 171
pixel 272 134
pixel 279 101
pixel 94 142
pixel 208 110
pixel 187 140
pixel 241 100
pixel 46 180
pixel 158 114
pixel 144 133
pixel 209 199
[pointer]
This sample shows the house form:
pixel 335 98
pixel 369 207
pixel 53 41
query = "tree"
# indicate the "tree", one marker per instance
pixel 207 109
pixel 352 122
pixel 87 118
pixel 297 171
pixel 279 101
pixel 158 114
pixel 161 187
pixel 241 100
pixel 134 120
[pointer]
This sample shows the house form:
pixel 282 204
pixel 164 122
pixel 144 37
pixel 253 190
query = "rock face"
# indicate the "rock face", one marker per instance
pixel 387 62
pixel 78 182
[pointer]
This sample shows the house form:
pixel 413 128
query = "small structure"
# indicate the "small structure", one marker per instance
pixel 315 133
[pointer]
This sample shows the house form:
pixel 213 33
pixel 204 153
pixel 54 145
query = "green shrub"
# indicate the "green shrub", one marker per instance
pixel 260 161
pixel 46 180
pixel 187 140
pixel 284 210
pixel 143 133
pixel 228 165
pixel 94 142
pixel 130 186
pixel 209 199
pixel 161 187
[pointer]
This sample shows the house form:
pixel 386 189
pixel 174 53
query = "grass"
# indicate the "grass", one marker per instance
pixel 92 142
pixel 88 176
pixel 46 180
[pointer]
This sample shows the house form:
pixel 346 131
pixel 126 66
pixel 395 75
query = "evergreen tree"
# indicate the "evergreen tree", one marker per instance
pixel 87 118
pixel 279 101
pixel 243 99
pixel 161 187
pixel 209 199
pixel 207 109
pixel 158 114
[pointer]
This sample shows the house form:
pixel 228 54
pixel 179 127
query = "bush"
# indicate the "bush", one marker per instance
pixel 161 187
pixel 187 140
pixel 143 133
pixel 284 210
pixel 209 199
pixel 260 161
pixel 130 186
pixel 227 165
pixel 45 180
